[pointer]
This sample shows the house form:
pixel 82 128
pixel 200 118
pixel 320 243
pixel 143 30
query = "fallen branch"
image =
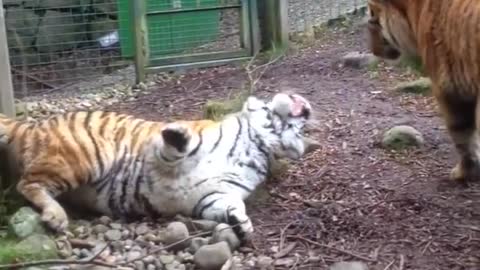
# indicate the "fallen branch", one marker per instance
pixel 346 252
pixel 88 261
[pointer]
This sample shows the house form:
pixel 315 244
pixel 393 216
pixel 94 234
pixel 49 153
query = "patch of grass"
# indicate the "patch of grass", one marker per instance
pixel 413 64
pixel 11 251
pixel 421 86
pixel 216 109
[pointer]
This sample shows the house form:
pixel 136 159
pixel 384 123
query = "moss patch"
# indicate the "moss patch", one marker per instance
pixel 421 86
pixel 35 247
pixel 217 109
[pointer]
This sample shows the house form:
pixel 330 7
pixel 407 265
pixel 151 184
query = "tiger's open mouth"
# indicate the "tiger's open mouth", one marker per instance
pixel 300 107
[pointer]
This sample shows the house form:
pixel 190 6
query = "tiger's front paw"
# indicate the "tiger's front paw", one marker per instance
pixel 241 223
pixel 462 174
pixel 56 218
pixel 176 136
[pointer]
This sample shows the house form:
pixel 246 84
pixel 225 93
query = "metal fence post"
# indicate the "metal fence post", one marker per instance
pixel 140 37
pixel 273 15
pixel 7 105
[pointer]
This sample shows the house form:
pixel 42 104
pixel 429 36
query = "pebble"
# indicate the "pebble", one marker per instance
pixel 212 257
pixel 167 259
pixel 142 229
pixel 175 232
pixel 196 243
pixel 104 220
pixel 100 228
pixel 150 237
pixel 133 255
pixel 85 253
pixel 151 267
pixel 116 226
pixel 139 265
pixel 113 235
pixel 264 262
pixel 80 230
pixel 224 232
pixel 149 259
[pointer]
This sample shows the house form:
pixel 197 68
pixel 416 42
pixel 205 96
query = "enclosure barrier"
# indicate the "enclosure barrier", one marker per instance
pixel 55 44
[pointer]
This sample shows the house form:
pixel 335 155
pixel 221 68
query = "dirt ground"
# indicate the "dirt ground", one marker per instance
pixel 351 199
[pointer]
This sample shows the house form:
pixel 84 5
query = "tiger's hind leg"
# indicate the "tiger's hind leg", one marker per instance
pixel 225 208
pixel 43 197
pixel 460 116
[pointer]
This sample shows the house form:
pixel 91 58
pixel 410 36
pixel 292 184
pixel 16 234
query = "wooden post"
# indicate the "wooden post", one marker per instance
pixel 274 23
pixel 140 37
pixel 7 103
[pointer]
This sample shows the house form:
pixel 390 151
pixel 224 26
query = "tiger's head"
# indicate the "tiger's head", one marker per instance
pixel 279 123
pixel 390 32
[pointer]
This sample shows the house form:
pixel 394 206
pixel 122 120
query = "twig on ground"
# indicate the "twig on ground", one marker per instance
pixel 470 227
pixel 88 261
pixel 346 252
pixel 402 262
pixel 282 234
pixel 253 78
pixel 389 265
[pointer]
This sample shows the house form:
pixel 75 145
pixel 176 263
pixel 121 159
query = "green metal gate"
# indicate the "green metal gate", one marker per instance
pixel 172 34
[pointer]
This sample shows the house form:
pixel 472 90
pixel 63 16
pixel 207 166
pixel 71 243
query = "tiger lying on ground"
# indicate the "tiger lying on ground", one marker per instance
pixel 124 166
pixel 445 35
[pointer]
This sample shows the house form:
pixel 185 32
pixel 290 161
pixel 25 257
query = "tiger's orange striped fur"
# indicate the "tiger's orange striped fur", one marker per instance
pixel 127 166
pixel 444 34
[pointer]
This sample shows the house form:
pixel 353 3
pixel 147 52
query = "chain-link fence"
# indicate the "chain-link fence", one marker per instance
pixel 306 13
pixel 55 43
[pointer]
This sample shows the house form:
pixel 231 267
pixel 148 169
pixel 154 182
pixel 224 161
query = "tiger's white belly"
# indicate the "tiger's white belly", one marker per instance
pixel 179 195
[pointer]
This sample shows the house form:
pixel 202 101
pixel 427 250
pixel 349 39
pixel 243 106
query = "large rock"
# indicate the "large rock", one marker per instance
pixel 212 257
pixel 25 222
pixel 37 246
pixel 60 31
pixel 175 232
pixel 403 136
pixel 359 60
pixel 223 232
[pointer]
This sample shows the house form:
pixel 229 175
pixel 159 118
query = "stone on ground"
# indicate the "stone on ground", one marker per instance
pixel 400 137
pixel 359 60
pixel 420 86
pixel 197 243
pixel 25 222
pixel 37 246
pixel 212 257
pixel 223 232
pixel 176 231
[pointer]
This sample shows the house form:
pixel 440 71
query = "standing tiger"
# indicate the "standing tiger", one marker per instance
pixel 124 166
pixel 444 34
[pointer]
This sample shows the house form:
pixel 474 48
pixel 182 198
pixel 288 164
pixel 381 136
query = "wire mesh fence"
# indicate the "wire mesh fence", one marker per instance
pixel 54 43
pixel 193 26
pixel 306 13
